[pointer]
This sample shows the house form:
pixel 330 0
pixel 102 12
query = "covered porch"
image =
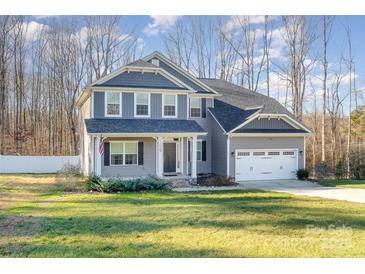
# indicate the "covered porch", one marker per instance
pixel 142 154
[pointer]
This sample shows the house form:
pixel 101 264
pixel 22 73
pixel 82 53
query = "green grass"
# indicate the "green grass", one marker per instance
pixel 39 219
pixel 344 183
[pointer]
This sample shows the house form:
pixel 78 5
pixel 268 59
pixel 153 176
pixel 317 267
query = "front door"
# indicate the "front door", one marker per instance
pixel 169 156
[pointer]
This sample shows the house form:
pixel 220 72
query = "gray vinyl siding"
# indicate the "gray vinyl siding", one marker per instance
pixel 265 123
pixel 138 79
pixel 148 168
pixel 205 166
pixel 99 106
pixel 265 143
pixel 204 122
pixel 156 106
pixel 128 105
pixel 219 148
pixel 181 77
pixel 182 106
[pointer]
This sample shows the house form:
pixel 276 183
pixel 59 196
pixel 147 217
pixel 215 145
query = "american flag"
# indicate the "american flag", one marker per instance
pixel 101 148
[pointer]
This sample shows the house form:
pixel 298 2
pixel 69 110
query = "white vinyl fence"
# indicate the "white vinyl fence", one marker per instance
pixel 36 164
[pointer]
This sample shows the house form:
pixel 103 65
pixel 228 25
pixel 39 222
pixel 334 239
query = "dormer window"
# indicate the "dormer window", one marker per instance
pixel 142 104
pixel 113 104
pixel 156 62
pixel 195 107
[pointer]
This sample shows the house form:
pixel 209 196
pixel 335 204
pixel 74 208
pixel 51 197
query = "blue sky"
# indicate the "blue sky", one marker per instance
pixel 151 29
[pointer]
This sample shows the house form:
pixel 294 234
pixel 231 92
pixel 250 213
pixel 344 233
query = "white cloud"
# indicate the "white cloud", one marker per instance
pixel 33 30
pixel 236 21
pixel 160 24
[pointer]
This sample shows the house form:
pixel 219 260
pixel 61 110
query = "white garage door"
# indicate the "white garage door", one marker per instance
pixel 266 164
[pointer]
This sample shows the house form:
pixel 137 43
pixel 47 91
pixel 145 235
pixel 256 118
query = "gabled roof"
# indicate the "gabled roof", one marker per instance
pixel 96 126
pixel 229 116
pixel 178 72
pixel 142 64
pixel 238 106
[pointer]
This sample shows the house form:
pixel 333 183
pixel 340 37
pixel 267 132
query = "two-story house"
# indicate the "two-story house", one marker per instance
pixel 151 117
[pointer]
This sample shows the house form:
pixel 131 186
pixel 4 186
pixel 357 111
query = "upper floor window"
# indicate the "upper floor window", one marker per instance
pixel 142 104
pixel 113 104
pixel 195 107
pixel 169 105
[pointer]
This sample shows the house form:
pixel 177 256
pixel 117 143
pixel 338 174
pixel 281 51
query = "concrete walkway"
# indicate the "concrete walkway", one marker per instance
pixel 295 187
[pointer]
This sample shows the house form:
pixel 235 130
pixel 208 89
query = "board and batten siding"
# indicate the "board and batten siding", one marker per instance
pixel 128 105
pixel 265 123
pixel 265 143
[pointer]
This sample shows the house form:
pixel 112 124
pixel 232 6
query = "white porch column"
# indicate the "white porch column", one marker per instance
pixel 97 157
pixel 193 157
pixel 159 156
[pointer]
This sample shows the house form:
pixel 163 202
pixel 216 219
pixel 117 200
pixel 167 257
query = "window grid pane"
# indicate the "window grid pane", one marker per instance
pixel 195 112
pixel 113 103
pixel 169 100
pixel 131 159
pixel 116 159
pixel 131 148
pixel 116 148
pixel 169 110
pixel 142 99
pixel 142 109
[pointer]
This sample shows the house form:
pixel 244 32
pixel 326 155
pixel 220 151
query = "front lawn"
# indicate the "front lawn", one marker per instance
pixel 38 218
pixel 344 183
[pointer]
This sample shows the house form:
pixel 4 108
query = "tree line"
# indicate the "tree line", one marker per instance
pixel 284 57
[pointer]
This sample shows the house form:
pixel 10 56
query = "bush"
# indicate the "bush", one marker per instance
pixel 357 171
pixel 323 170
pixel 215 180
pixel 69 170
pixel 119 185
pixel 302 174
pixel 340 171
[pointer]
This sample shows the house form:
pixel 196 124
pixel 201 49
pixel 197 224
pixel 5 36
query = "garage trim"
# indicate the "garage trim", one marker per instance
pixel 263 150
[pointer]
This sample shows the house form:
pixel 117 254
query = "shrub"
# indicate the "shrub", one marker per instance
pixel 115 185
pixel 215 180
pixel 302 174
pixel 323 170
pixel 340 171
pixel 69 170
pixel 357 171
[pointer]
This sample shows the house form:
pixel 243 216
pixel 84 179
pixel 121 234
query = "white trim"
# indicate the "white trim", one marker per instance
pixel 149 105
pixel 97 157
pixel 181 155
pixel 228 154
pixel 249 135
pixel 248 119
pixel 156 54
pixel 128 69
pixel 225 132
pixel 193 157
pixel 140 90
pixel 200 107
pixel 163 106
pixel 150 134
pixel 106 105
pixel 123 142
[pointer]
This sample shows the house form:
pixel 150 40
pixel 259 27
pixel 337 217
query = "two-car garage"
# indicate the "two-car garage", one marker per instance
pixel 265 164
pixel 266 158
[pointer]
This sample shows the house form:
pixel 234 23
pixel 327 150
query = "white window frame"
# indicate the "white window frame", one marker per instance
pixel 106 104
pixel 163 106
pixel 135 104
pixel 122 142
pixel 201 150
pixel 200 107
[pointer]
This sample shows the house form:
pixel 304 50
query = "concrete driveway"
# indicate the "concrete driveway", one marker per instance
pixel 304 188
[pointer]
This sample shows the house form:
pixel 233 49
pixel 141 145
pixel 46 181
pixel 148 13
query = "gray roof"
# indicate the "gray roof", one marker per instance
pixel 230 116
pixel 142 126
pixel 243 98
